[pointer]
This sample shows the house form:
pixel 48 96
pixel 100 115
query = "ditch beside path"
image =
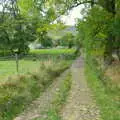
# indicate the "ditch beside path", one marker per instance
pixel 80 104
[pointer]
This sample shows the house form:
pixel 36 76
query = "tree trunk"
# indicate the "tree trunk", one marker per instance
pixel 108 51
pixel 110 7
pixel 118 53
pixel 92 3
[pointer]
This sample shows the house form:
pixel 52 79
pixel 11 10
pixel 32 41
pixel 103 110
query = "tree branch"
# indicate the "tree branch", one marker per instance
pixel 80 3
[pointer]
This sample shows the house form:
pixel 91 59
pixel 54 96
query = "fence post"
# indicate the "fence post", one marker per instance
pixel 17 63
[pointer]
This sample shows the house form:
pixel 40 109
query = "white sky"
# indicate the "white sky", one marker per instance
pixel 71 18
pixel 73 15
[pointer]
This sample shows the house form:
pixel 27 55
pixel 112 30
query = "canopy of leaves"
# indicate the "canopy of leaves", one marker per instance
pixel 24 21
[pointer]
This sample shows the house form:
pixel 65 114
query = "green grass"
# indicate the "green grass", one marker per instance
pixel 31 62
pixel 107 98
pixel 36 73
pixel 20 90
pixel 8 68
pixel 59 100
pixel 53 51
pixel 53 54
pixel 53 113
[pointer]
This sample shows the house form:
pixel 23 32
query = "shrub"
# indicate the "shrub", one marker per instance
pixel 17 93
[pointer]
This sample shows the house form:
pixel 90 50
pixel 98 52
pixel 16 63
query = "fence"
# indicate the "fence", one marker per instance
pixel 34 57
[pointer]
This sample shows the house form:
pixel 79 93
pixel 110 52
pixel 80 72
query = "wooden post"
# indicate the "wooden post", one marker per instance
pixel 17 63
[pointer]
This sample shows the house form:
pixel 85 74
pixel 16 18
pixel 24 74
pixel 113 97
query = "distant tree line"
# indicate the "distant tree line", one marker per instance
pixel 22 22
pixel 68 40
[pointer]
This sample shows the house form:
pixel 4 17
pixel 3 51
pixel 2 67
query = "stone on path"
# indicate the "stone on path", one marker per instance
pixel 39 107
pixel 80 104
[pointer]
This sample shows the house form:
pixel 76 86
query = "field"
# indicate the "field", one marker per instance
pixel 31 62
pixel 36 72
pixel 9 67
pixel 53 51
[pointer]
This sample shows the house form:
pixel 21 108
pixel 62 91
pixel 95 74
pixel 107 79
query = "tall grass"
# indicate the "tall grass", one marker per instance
pixel 107 96
pixel 8 68
pixel 29 63
pixel 61 97
pixel 20 90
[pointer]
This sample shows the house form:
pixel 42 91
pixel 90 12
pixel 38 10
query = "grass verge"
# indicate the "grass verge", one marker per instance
pixel 21 90
pixel 107 98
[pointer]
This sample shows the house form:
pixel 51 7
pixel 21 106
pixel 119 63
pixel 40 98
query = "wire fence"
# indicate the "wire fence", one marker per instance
pixel 16 58
pixel 37 57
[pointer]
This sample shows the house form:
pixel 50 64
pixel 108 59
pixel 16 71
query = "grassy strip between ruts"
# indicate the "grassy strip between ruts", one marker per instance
pixel 59 100
pixel 18 92
pixel 53 113
pixel 107 99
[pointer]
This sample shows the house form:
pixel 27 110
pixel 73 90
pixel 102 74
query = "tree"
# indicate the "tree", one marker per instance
pixel 67 40
pixel 110 6
pixel 44 39
pixel 16 30
pixel 20 20
pixel 98 28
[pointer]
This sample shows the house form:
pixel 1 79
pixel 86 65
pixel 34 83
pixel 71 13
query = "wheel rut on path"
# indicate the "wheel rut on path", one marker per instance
pixel 80 104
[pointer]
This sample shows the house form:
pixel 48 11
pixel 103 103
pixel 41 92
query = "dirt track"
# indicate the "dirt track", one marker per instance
pixel 39 107
pixel 80 104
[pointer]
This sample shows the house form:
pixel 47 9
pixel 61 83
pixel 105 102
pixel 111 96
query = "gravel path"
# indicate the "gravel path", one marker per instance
pixel 38 107
pixel 80 104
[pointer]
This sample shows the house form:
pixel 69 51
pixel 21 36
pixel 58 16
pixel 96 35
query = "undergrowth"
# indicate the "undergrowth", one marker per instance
pixel 107 95
pixel 53 113
pixel 59 100
pixel 21 90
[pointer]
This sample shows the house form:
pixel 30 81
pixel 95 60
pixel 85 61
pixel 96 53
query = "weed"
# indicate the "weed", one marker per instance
pixel 60 99
pixel 17 93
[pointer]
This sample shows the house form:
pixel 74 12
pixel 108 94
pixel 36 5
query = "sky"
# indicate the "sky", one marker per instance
pixel 73 15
